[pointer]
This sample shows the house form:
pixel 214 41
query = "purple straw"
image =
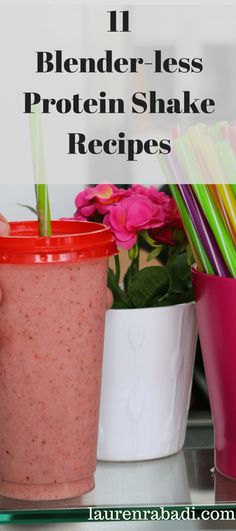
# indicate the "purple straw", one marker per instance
pixel 201 223
pixel 204 231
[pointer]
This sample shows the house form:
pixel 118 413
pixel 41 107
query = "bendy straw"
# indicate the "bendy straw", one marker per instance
pixel 228 160
pixel 222 236
pixel 188 226
pixel 204 231
pixel 214 169
pixel 191 166
pixel 41 188
pixel 221 208
pixel 198 250
pixel 229 202
pixel 199 253
pixel 233 186
pixel 199 220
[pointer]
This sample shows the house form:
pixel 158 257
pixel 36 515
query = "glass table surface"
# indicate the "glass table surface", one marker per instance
pixel 184 478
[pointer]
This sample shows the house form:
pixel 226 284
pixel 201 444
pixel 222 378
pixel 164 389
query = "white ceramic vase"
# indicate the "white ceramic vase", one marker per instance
pixel 147 380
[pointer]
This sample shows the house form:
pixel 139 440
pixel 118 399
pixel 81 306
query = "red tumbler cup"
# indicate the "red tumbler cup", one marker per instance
pixel 51 341
pixel 216 314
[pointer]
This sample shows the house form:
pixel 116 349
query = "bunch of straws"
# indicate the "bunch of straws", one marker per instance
pixel 205 158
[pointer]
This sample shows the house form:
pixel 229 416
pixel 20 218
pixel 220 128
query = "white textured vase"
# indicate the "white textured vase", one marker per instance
pixel 147 379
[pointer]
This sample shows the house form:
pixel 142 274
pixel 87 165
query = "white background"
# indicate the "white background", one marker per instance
pixel 201 30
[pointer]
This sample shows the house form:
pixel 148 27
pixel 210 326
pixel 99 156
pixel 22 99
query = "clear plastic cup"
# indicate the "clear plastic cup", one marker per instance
pixel 51 342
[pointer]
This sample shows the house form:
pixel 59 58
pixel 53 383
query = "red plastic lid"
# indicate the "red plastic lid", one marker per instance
pixel 71 241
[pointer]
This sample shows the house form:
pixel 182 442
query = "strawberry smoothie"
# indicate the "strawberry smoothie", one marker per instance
pixel 51 341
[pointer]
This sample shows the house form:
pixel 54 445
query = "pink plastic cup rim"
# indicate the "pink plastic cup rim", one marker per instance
pixel 205 276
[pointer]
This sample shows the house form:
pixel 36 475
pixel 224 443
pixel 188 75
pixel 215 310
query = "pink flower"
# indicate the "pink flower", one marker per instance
pixel 96 199
pixel 159 198
pixel 165 235
pixel 166 204
pixel 128 212
pixel 130 216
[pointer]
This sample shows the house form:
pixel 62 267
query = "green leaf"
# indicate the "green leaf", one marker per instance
pixel 154 253
pixel 119 304
pixel 131 271
pixel 127 277
pixel 29 208
pixel 179 236
pixel 120 300
pixel 176 284
pixel 181 272
pixel 190 258
pixel 147 284
pixel 174 252
pixel 175 298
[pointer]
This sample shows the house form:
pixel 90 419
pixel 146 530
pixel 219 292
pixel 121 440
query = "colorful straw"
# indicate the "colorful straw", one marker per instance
pixel 204 231
pixel 198 250
pixel 229 203
pixel 41 188
pixel 199 253
pixel 223 238
pixel 205 159
pixel 199 220
pixel 221 208
pixel 210 171
pixel 228 160
pixel 191 166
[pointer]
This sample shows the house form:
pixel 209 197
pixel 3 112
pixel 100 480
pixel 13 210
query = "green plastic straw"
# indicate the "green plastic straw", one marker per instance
pixel 221 234
pixel 233 186
pixel 198 250
pixel 41 188
pixel 43 209
pixel 228 160
pixel 192 232
pixel 214 160
pixel 190 163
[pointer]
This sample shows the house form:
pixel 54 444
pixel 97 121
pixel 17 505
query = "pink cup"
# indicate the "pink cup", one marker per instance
pixel 216 314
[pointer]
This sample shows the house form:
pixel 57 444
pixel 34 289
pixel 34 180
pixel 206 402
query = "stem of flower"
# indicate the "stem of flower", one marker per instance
pixel 136 260
pixel 171 258
pixel 117 266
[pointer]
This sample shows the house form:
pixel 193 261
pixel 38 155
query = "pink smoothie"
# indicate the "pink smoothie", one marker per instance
pixel 51 341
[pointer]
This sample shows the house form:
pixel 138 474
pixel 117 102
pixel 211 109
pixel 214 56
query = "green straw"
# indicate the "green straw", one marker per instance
pixel 190 163
pixel 228 160
pixel 198 249
pixel 221 234
pixel 233 186
pixel 41 188
pixel 43 209
pixel 191 229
